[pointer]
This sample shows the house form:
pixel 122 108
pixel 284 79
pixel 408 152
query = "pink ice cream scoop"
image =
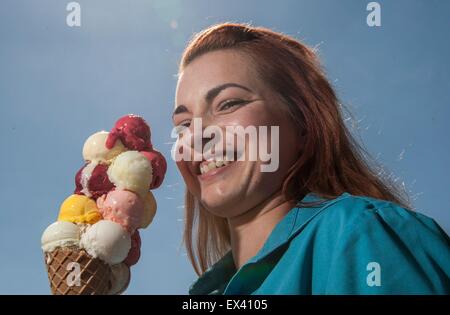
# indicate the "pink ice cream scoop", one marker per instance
pixel 159 167
pixel 133 131
pixel 123 207
pixel 135 251
pixel 92 181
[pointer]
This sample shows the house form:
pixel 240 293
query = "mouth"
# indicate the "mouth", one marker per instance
pixel 209 169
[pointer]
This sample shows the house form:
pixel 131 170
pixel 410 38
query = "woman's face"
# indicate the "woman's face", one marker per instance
pixel 222 89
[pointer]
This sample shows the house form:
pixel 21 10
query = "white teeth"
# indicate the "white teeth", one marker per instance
pixel 206 167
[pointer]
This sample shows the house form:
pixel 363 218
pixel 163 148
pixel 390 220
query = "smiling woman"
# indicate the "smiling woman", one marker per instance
pixel 323 218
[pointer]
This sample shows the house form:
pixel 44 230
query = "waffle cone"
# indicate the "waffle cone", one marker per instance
pixel 93 278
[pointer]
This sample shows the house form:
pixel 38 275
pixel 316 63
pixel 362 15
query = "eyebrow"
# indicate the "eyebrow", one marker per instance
pixel 211 95
pixel 180 109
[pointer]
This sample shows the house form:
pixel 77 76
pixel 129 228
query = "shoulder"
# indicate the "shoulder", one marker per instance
pixel 350 213
pixel 353 233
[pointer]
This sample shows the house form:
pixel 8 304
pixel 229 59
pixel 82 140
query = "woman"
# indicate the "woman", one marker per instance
pixel 323 222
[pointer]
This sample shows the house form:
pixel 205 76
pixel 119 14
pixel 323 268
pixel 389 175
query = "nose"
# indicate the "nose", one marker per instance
pixel 194 139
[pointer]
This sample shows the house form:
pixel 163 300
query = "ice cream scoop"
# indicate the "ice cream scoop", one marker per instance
pixel 149 210
pixel 123 207
pixel 135 252
pixel 120 278
pixel 60 234
pixel 92 180
pixel 106 240
pixel 131 171
pixel 159 167
pixel 133 131
pixel 98 226
pixel 95 149
pixel 79 209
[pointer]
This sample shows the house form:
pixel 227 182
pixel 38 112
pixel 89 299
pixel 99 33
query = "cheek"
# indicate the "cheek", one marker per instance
pixel 189 179
pixel 250 115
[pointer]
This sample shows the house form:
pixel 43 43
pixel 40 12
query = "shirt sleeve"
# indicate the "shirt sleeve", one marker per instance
pixel 390 250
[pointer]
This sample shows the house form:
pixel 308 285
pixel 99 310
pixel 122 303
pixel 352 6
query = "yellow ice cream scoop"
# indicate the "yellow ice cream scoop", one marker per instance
pixel 79 209
pixel 149 210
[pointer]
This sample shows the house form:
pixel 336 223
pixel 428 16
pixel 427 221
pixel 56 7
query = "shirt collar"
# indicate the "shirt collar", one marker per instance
pixel 290 225
pixel 215 279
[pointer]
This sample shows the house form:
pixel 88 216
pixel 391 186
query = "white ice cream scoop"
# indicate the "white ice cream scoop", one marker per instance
pixel 106 240
pixel 132 171
pixel 60 234
pixel 95 150
pixel 120 278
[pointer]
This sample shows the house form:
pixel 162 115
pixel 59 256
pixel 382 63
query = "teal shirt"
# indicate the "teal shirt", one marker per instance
pixel 348 245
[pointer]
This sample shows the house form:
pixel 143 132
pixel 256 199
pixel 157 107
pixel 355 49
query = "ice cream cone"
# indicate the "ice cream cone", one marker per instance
pixel 71 271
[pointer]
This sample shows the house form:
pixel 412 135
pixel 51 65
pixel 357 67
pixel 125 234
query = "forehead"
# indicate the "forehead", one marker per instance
pixel 215 68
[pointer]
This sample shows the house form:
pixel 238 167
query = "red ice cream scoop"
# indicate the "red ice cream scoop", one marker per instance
pixel 92 180
pixel 133 131
pixel 159 167
pixel 135 251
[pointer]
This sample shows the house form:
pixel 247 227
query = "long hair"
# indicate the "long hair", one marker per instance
pixel 331 161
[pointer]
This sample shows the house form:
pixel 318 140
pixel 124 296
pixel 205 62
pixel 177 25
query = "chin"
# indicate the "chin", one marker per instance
pixel 222 206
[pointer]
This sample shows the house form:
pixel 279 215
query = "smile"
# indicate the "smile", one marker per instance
pixel 208 169
pixel 207 166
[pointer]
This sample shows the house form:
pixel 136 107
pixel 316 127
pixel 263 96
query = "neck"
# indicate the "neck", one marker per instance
pixel 250 230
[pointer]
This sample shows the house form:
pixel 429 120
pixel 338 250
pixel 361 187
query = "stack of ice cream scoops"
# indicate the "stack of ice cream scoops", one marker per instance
pixel 95 240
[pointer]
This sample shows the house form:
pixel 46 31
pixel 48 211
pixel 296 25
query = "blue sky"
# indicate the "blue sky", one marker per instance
pixel 59 84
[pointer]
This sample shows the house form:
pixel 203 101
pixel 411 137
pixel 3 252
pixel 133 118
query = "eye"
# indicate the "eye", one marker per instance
pixel 231 103
pixel 185 124
pixel 179 129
